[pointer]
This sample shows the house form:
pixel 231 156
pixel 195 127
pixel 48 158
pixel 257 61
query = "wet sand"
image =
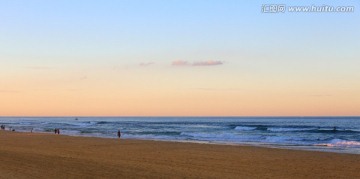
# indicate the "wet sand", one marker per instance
pixel 38 155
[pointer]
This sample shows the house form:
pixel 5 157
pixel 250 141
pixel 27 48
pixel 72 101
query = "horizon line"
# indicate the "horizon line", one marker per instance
pixel 104 116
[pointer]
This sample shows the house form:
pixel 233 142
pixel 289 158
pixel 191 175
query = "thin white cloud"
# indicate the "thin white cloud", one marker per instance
pixel 199 63
pixel 180 63
pixel 207 63
pixel 146 64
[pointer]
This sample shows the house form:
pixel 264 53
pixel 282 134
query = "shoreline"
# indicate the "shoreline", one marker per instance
pixel 314 148
pixel 44 155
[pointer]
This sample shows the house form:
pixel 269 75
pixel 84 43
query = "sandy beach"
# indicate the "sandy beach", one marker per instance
pixel 40 155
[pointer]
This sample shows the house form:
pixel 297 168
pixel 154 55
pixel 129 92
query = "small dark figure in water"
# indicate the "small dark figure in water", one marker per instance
pixel 55 131
pixel 119 134
pixel 334 129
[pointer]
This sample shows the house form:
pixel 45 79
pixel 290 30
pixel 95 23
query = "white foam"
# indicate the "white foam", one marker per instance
pixel 288 129
pixel 25 123
pixel 341 143
pixel 220 137
pixel 244 128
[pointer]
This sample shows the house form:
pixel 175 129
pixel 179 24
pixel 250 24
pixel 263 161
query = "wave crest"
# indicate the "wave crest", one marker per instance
pixel 244 128
pixel 341 143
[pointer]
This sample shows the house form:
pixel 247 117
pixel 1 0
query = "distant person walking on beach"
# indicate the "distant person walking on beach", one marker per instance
pixel 119 134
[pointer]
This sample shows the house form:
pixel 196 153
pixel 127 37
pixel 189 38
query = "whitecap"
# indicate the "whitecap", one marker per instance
pixel 340 143
pixel 289 129
pixel 244 128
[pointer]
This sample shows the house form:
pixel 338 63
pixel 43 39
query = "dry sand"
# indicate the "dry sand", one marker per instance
pixel 34 155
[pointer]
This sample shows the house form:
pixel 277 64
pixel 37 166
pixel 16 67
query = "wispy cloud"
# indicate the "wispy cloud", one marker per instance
pixel 180 63
pixel 208 63
pixel 40 67
pixel 84 77
pixel 146 64
pixel 9 91
pixel 320 95
pixel 217 89
pixel 198 63
pixel 73 89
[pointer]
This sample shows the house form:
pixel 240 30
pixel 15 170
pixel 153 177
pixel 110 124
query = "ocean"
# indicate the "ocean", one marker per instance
pixel 330 134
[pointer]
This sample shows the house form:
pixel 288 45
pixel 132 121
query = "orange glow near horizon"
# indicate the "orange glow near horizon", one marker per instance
pixel 104 98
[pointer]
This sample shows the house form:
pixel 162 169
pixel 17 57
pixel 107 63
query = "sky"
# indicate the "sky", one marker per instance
pixel 177 58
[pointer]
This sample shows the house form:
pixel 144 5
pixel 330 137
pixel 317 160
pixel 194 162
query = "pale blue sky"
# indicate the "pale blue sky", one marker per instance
pixel 184 28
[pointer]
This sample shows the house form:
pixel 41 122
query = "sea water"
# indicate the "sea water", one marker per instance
pixel 332 134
